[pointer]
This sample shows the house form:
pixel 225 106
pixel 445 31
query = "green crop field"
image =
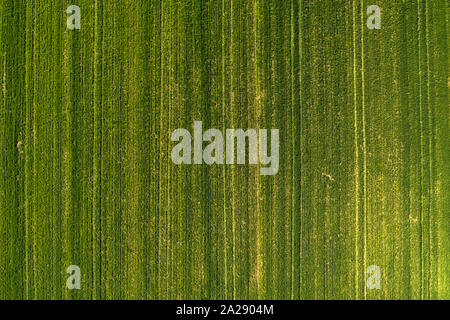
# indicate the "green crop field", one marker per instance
pixel 86 176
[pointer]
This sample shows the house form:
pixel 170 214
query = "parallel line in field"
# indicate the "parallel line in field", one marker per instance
pixel 223 168
pixel 292 145
pixel 300 48
pixel 421 153
pixel 430 149
pixel 97 249
pixel 364 139
pixel 28 161
pixel 35 189
pixel 357 280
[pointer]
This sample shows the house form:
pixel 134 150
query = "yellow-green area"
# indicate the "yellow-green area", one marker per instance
pixel 86 176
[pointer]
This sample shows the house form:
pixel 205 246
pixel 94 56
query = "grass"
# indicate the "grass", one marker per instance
pixel 86 177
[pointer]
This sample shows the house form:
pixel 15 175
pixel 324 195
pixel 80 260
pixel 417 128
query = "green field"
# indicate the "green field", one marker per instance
pixel 86 176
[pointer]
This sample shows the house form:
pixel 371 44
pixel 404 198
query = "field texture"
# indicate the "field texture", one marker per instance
pixel 86 176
